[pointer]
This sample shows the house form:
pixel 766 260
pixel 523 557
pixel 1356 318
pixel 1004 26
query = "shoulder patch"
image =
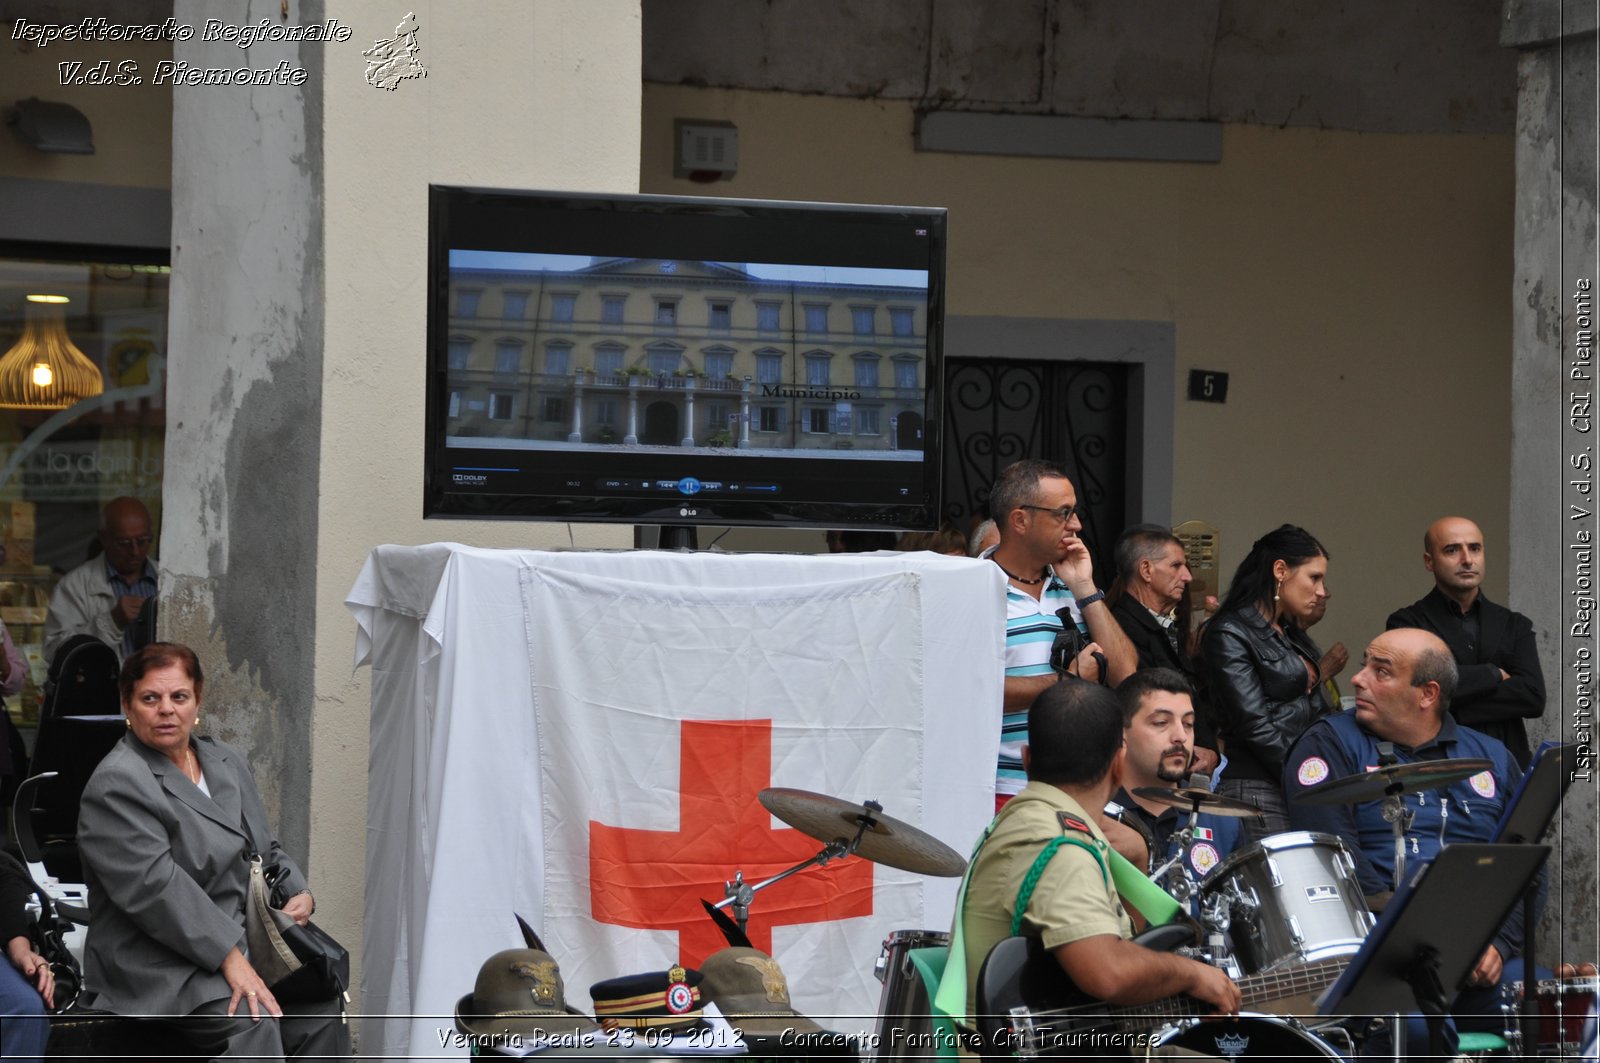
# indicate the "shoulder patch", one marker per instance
pixel 1070 822
pixel 1483 783
pixel 1204 857
pixel 1312 771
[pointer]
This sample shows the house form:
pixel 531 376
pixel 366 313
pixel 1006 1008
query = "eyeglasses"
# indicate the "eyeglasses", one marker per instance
pixel 1063 514
pixel 142 542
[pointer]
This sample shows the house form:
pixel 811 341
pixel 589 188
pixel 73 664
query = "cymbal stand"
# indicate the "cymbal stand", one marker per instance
pixel 1395 813
pixel 740 893
pixel 1214 910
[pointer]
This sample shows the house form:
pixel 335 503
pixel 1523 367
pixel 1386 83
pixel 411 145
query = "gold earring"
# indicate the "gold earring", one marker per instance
pixel 1276 591
pixel 129 722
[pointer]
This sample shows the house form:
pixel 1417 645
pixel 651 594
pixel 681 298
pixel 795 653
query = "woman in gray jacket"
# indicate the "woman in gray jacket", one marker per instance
pixel 166 828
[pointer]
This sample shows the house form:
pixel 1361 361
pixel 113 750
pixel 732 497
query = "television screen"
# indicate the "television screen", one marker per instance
pixel 683 361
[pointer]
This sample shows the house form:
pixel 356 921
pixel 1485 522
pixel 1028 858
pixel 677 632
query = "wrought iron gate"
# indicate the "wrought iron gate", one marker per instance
pixel 1074 413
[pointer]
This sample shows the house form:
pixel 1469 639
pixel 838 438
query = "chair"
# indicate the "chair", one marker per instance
pixel 80 719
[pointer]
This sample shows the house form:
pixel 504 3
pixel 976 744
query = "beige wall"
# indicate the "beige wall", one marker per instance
pixel 132 124
pixel 1354 286
pixel 549 99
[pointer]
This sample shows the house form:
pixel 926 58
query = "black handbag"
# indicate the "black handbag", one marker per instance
pixel 324 970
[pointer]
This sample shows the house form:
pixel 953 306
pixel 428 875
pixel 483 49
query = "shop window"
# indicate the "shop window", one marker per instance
pixel 83 328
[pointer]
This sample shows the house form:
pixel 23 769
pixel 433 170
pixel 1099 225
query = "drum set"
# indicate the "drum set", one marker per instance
pixel 1285 902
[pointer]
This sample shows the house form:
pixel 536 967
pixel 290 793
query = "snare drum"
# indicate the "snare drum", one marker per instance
pixel 905 1014
pixel 1293 898
pixel 1566 1008
pixel 1249 1037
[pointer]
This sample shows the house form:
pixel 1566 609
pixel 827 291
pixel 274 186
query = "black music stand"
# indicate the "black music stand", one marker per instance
pixel 1431 934
pixel 1532 809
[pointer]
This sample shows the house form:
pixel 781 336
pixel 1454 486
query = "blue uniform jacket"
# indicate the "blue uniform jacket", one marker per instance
pixel 1220 835
pixel 1464 811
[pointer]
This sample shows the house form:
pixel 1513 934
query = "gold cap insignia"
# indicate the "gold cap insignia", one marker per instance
pixel 543 975
pixel 772 980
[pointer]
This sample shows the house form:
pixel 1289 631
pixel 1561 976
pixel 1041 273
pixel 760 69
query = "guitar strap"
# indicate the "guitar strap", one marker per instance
pixel 1151 901
pixel 1031 879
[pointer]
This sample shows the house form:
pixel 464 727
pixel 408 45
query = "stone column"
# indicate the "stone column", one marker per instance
pixel 632 435
pixel 576 435
pixel 1553 442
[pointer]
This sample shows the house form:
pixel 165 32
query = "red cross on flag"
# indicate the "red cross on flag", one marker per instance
pixel 665 709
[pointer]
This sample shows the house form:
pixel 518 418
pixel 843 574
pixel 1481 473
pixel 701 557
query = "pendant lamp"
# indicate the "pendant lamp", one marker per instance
pixel 45 370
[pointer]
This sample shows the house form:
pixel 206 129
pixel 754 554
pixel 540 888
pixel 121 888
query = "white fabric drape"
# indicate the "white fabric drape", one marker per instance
pixel 524 703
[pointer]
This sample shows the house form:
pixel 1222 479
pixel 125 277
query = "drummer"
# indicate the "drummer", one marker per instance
pixel 1158 732
pixel 1402 693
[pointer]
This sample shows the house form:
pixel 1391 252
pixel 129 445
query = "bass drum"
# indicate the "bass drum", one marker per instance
pixel 1249 1036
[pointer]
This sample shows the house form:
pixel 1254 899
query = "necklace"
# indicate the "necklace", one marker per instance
pixel 1019 579
pixel 193 766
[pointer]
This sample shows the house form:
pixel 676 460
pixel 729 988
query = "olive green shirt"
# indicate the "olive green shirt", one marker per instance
pixel 1073 899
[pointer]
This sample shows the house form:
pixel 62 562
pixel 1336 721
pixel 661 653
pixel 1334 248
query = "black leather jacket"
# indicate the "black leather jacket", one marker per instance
pixel 1256 684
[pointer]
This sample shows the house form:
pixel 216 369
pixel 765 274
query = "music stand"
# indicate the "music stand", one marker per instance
pixel 1431 935
pixel 1532 809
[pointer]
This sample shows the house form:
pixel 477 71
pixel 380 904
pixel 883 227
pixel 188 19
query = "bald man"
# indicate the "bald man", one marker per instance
pixel 1494 649
pixel 102 597
pixel 1403 692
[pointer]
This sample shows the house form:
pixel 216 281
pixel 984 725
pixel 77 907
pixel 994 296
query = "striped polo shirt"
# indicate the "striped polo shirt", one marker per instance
pixel 1031 629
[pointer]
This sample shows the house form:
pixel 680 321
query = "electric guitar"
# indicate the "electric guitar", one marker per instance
pixel 1027 1006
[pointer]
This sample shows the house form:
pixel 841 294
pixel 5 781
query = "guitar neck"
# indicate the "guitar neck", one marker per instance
pixel 1255 989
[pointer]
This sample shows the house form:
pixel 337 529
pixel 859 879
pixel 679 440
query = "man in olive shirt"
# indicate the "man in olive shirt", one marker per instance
pixel 1074 764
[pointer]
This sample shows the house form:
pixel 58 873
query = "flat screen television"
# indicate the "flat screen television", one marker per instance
pixel 683 360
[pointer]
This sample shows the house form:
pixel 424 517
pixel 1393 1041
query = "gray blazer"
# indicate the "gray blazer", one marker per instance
pixel 167 875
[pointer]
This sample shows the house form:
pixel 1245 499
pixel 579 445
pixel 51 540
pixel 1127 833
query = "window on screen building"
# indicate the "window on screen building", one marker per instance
pixel 769 367
pixel 68 459
pixel 608 360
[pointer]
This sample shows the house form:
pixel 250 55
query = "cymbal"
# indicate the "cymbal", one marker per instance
pixel 1408 778
pixel 885 841
pixel 1184 797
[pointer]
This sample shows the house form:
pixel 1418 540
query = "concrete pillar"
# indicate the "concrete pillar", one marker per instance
pixel 1553 442
pixel 295 407
pixel 744 415
pixel 688 416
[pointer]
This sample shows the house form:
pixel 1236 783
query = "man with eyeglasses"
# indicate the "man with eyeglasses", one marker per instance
pixel 1049 574
pixel 104 595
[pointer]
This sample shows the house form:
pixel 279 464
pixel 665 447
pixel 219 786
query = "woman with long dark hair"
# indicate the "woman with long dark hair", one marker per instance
pixel 1263 673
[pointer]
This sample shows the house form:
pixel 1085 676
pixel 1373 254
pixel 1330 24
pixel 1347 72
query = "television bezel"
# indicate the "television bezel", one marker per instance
pixel 446 205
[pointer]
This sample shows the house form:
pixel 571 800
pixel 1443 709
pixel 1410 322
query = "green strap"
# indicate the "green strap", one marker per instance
pixel 1154 903
pixel 950 1002
pixel 1150 900
pixel 1031 879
